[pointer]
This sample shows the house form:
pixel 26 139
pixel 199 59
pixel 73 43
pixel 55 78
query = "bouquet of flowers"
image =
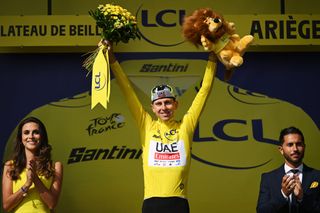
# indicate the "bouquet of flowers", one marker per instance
pixel 117 24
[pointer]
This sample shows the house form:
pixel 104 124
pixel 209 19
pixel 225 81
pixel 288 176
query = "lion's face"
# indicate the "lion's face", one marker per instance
pixel 214 24
pixel 204 22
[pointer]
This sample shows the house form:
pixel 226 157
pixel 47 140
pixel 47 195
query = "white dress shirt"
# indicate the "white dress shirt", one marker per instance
pixel 287 170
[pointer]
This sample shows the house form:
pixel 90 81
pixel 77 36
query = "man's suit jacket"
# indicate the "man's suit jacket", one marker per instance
pixel 271 199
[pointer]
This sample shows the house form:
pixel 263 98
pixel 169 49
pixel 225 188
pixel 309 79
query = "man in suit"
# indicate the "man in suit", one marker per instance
pixel 293 187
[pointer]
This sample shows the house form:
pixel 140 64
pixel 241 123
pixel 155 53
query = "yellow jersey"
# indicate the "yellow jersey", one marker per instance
pixel 166 144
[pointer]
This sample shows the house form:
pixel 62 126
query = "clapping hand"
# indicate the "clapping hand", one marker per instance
pixel 298 192
pixel 288 184
pixel 31 172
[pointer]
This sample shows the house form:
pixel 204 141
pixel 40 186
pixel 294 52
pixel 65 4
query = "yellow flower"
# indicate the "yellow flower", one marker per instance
pixel 118 25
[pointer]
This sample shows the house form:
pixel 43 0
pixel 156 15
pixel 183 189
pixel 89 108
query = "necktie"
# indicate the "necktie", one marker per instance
pixel 293 205
pixel 293 201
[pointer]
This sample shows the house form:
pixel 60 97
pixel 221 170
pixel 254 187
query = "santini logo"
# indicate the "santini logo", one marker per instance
pixel 171 67
pixel 82 154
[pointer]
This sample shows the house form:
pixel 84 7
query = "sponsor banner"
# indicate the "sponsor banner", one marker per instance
pixel 234 143
pixel 179 73
pixel 160 29
pixel 167 155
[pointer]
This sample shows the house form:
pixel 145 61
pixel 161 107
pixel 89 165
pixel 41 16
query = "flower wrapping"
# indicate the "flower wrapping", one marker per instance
pixel 117 25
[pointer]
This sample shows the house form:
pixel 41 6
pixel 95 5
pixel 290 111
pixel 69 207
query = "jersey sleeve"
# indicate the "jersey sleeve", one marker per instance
pixel 195 110
pixel 134 104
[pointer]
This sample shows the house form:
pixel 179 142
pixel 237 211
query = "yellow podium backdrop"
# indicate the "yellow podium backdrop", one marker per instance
pixel 236 141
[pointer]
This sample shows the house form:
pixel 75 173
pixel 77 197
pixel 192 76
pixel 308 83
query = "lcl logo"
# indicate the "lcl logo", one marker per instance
pixel 99 81
pixel 168 18
pixel 219 133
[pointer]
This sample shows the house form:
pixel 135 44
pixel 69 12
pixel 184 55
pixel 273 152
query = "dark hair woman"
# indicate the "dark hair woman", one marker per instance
pixel 31 181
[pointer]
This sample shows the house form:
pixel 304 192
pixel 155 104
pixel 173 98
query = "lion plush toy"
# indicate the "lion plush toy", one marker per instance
pixel 209 29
